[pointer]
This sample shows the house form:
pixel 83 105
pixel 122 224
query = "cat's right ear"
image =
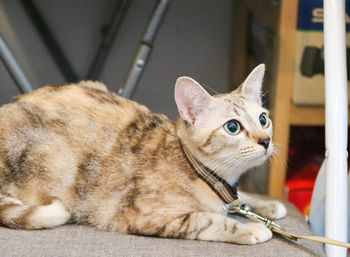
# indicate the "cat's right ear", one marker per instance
pixel 191 99
pixel 251 87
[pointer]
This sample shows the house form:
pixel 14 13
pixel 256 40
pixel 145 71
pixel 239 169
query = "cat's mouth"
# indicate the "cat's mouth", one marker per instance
pixel 269 150
pixel 253 152
pixel 261 157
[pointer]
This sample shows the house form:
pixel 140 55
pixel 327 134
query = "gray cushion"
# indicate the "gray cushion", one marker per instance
pixel 74 240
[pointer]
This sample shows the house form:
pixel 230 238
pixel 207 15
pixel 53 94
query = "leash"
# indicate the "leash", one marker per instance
pixel 246 211
pixel 228 194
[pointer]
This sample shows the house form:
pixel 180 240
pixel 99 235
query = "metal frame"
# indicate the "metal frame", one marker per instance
pixel 49 40
pixel 144 50
pixel 13 68
pixel 139 63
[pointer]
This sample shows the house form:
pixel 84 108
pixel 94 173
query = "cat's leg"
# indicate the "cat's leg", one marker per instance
pixel 15 214
pixel 269 208
pixel 215 227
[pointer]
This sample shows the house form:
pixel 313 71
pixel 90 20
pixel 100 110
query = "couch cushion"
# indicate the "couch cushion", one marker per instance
pixel 74 240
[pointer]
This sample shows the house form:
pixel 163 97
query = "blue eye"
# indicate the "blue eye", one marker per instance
pixel 264 120
pixel 232 127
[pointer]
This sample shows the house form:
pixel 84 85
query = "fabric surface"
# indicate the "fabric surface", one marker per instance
pixel 74 240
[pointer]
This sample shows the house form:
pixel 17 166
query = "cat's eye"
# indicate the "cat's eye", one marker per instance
pixel 232 127
pixel 264 120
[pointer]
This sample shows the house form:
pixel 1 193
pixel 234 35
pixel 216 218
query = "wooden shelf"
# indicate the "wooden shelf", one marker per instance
pixel 281 102
pixel 308 116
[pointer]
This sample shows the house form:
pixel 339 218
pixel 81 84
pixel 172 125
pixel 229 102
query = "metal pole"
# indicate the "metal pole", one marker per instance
pixel 144 50
pixel 13 68
pixel 336 124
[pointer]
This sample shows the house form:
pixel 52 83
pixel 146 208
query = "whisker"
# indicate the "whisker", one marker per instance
pixel 282 161
pixel 206 86
pixel 277 150
pixel 229 164
pixel 234 165
pixel 280 145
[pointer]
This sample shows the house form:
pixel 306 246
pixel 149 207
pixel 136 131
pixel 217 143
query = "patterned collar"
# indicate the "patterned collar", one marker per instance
pixel 221 188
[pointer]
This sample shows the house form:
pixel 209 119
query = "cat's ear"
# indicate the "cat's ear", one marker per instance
pixel 251 87
pixel 191 99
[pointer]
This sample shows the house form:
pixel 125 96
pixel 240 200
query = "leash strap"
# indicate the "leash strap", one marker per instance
pixel 246 211
pixel 312 238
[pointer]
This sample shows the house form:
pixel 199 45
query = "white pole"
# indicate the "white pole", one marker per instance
pixel 336 124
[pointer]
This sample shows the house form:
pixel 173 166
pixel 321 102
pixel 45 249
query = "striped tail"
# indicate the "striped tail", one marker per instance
pixel 16 214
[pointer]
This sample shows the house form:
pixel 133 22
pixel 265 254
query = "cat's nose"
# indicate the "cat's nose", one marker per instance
pixel 264 142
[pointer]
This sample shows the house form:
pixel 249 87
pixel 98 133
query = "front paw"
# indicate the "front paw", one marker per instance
pixel 272 209
pixel 252 233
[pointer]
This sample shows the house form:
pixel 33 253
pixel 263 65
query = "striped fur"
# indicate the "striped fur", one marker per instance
pixel 82 154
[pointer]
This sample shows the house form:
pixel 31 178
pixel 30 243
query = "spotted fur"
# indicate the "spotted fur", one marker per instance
pixel 79 153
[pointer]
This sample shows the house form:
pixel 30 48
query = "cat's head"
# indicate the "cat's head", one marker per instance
pixel 228 133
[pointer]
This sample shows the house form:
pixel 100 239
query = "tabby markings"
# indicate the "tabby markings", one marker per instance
pixel 102 96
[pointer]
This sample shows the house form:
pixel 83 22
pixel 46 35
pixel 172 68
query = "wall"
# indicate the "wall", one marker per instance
pixel 194 40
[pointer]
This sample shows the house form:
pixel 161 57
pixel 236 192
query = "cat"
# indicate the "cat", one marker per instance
pixel 77 153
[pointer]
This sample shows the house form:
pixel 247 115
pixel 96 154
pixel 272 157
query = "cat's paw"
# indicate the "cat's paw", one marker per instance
pixel 272 209
pixel 252 233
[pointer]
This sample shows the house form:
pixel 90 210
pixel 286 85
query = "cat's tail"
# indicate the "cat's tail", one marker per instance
pixel 16 214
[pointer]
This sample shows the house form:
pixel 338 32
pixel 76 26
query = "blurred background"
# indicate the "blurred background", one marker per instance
pixel 194 39
pixel 216 42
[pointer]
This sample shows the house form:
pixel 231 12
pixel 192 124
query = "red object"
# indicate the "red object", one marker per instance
pixel 299 187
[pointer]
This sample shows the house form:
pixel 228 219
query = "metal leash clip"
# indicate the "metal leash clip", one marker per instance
pixel 246 211
pixel 236 207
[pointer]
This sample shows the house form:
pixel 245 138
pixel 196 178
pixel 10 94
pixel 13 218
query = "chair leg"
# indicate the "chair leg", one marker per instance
pixel 13 68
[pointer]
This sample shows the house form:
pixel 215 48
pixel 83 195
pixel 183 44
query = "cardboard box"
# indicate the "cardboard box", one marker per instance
pixel 308 86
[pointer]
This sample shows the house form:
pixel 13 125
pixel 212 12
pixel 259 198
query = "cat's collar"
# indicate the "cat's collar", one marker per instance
pixel 224 190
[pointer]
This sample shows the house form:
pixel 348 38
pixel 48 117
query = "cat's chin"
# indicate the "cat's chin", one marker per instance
pixel 246 165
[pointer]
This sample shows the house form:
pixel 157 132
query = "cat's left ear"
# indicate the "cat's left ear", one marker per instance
pixel 251 87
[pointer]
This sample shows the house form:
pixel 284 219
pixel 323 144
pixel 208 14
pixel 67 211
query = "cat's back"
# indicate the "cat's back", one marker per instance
pixel 85 113
pixel 84 104
pixel 83 100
